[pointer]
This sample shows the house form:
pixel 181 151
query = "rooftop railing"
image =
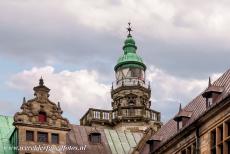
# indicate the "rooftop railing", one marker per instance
pixel 109 115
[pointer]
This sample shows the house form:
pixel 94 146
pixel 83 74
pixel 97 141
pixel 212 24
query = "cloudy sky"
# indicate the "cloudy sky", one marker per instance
pixel 74 45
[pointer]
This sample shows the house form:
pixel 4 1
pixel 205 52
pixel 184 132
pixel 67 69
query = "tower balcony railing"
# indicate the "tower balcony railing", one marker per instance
pixel 130 82
pixel 141 113
pixel 107 116
pixel 96 114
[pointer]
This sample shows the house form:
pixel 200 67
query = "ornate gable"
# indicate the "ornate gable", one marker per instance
pixel 40 111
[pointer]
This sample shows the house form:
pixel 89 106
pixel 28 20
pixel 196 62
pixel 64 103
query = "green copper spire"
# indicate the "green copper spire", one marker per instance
pixel 130 57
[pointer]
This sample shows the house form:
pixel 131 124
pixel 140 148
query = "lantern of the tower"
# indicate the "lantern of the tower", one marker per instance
pixel 130 66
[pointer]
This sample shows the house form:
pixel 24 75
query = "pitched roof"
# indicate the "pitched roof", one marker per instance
pixel 112 141
pixel 6 129
pixel 197 106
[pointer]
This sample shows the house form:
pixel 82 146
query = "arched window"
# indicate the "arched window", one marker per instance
pixel 42 117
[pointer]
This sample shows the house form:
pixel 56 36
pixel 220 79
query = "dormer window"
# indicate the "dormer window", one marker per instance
pixel 153 142
pixel 209 101
pixel 95 137
pixel 42 117
pixel 182 117
pixel 211 94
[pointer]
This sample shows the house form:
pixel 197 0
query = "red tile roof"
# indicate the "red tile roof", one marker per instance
pixel 197 106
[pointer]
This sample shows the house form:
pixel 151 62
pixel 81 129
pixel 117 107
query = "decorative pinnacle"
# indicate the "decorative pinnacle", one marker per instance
pixel 24 100
pixel 209 82
pixel 41 82
pixel 59 106
pixel 180 108
pixel 129 28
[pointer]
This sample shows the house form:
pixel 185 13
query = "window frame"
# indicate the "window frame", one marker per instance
pixel 47 140
pixel 95 138
pixel 58 138
pixel 27 133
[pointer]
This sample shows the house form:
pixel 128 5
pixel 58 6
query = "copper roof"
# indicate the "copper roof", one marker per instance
pixel 112 141
pixel 197 106
pixel 6 129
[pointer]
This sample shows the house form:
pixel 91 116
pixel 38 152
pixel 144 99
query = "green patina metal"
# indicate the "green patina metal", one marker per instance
pixel 122 142
pixel 8 135
pixel 130 57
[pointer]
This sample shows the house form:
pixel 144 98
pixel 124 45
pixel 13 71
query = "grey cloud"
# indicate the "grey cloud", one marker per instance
pixel 44 33
pixel 187 60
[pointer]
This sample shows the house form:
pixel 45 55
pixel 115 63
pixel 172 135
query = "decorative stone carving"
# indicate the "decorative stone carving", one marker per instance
pixel 41 103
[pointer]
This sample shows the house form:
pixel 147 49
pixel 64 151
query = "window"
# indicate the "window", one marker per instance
pixel 220 149
pixel 213 142
pixel 114 114
pixel 219 139
pixel 189 150
pixel 138 112
pixel 42 137
pixel 220 136
pixel 153 115
pixel 42 117
pixel 96 114
pixel 54 138
pixel 194 148
pixel 228 143
pixel 180 124
pixel 131 112
pixel 228 128
pixel 184 151
pixel 29 135
pixel 209 101
pixel 105 115
pixel 95 138
pixel 125 112
pixel 220 131
pixel 136 72
pixel 148 114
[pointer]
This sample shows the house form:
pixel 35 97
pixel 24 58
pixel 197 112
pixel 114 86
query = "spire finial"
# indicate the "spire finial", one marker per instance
pixel 180 107
pixel 59 106
pixel 209 82
pixel 24 100
pixel 129 28
pixel 41 82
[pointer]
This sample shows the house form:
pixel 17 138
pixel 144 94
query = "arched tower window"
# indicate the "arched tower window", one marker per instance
pixel 42 117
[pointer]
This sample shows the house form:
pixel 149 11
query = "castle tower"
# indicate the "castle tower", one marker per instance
pixel 130 92
pixel 130 96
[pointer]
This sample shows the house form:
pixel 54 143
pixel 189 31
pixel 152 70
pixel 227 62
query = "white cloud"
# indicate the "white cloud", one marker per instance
pixel 82 89
pixel 77 91
pixel 168 90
